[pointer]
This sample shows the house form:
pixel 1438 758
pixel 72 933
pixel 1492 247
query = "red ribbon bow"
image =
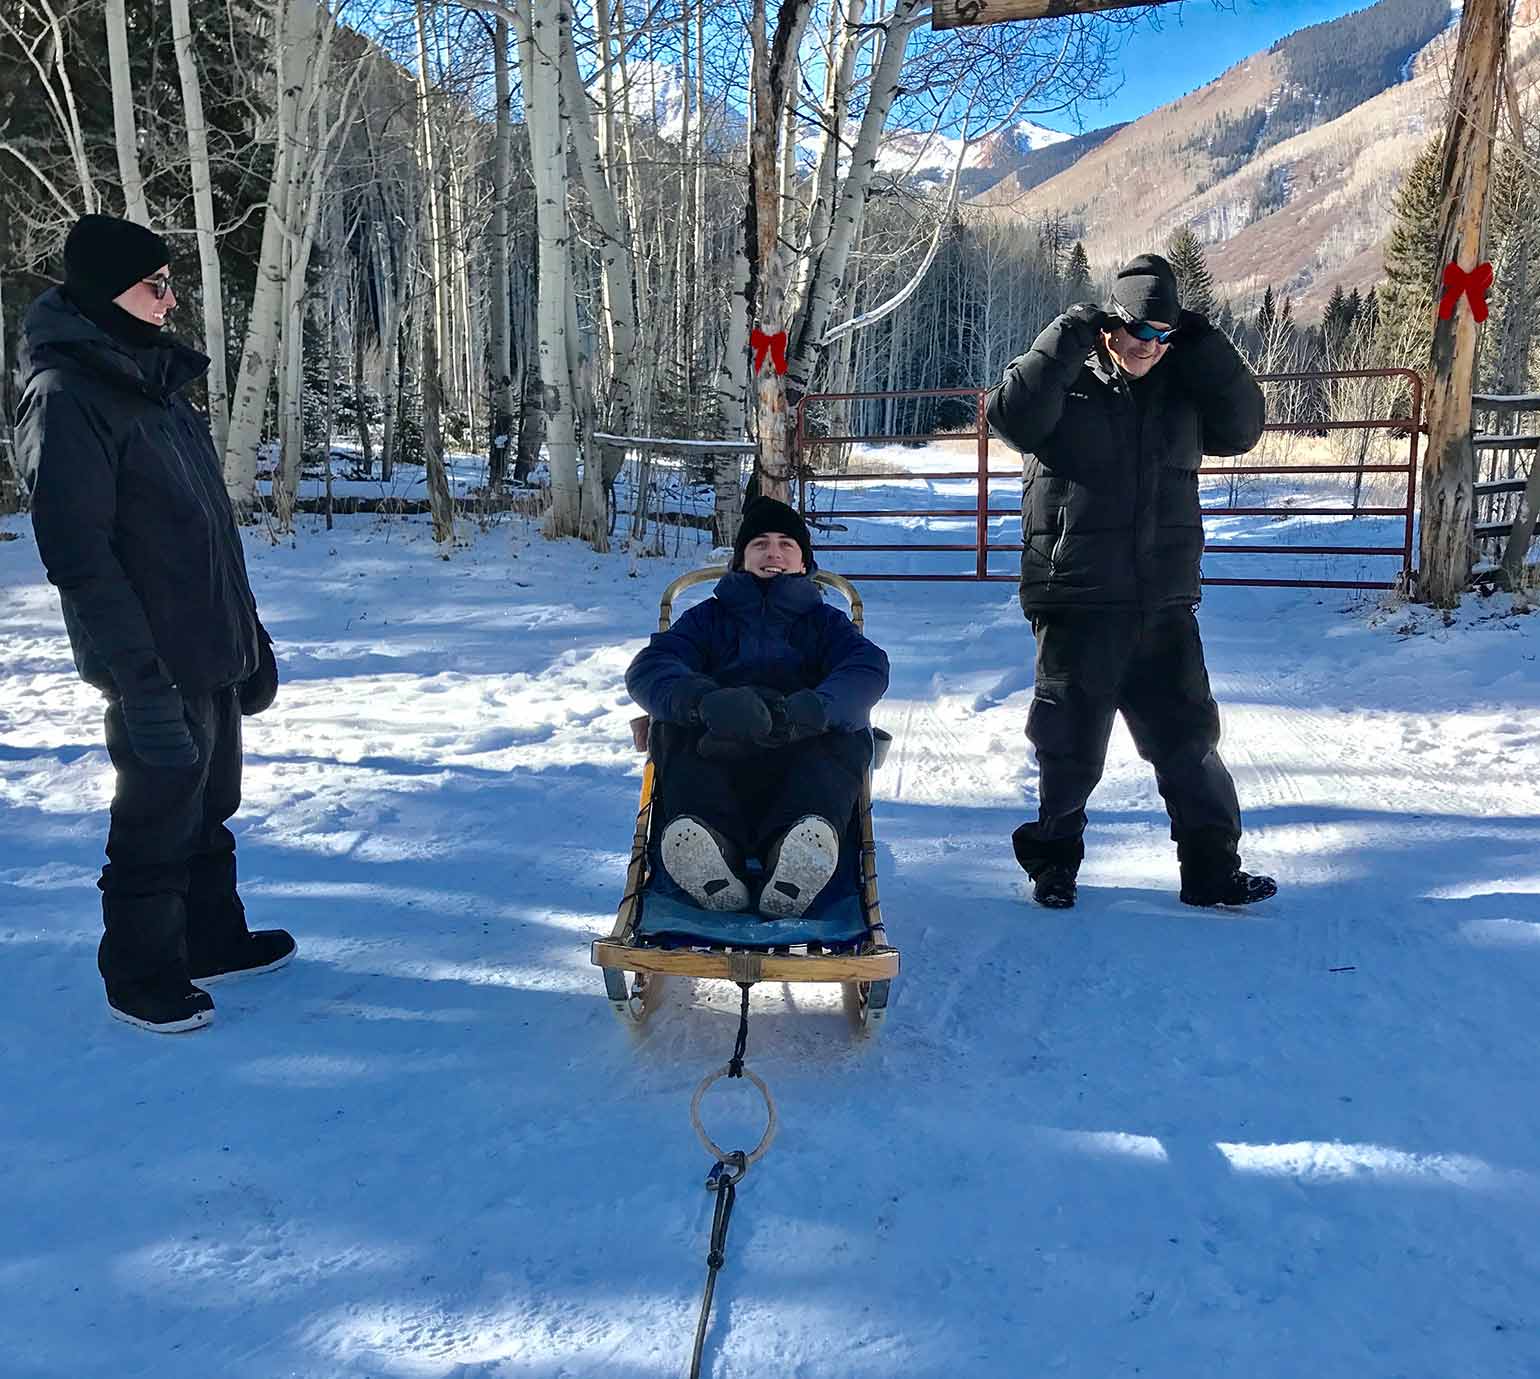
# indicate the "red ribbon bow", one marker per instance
pixel 774 344
pixel 1458 283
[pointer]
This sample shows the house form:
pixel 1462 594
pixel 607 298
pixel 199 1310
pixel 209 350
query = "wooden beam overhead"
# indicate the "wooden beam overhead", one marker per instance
pixel 962 14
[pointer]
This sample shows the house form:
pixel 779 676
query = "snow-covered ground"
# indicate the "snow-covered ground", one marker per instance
pixel 1131 1138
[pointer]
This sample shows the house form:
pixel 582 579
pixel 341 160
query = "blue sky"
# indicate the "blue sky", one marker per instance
pixel 1195 43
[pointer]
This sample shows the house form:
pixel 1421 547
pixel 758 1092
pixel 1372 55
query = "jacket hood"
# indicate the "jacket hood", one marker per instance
pixel 54 334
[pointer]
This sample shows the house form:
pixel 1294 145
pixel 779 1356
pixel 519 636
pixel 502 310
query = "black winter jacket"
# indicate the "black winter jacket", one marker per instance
pixel 129 506
pixel 1110 512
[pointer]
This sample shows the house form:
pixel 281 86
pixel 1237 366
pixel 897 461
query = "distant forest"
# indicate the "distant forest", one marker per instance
pixel 1340 64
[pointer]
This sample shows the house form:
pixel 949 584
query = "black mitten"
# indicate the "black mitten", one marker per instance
pixel 737 713
pixel 260 688
pixel 157 727
pixel 806 715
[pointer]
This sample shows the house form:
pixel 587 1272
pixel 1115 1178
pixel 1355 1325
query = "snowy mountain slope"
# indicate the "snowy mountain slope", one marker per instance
pixel 1286 165
pixel 1130 1138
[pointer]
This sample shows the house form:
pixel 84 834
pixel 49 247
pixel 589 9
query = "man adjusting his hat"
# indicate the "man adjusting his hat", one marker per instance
pixel 1114 410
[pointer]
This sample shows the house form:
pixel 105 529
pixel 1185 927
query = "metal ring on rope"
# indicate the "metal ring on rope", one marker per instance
pixel 758 1152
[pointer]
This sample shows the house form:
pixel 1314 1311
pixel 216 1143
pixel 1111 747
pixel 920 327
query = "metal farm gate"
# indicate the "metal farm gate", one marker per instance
pixel 981 510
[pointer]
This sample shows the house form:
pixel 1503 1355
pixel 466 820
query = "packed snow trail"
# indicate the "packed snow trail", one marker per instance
pixel 1129 1138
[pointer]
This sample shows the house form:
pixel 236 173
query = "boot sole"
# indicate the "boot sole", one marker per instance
pixel 1056 903
pixel 192 1022
pixel 273 966
pixel 1226 904
pixel 808 857
pixel 691 856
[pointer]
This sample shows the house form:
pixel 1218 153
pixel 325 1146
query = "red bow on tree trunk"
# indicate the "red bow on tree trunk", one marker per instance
pixel 1458 283
pixel 774 344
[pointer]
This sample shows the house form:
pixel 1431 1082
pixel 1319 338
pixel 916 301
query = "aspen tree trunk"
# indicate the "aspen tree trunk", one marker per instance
pixel 125 134
pixel 531 416
pixel 360 386
pixel 331 393
pixel 501 370
pixel 390 345
pixel 837 83
pixel 304 197
pixel 617 280
pixel 301 52
pixel 430 392
pixel 539 34
pixel 828 272
pixel 698 222
pixel 731 380
pixel 260 355
pixel 430 172
pixel 433 319
pixel 1449 464
pixel 768 265
pixel 214 343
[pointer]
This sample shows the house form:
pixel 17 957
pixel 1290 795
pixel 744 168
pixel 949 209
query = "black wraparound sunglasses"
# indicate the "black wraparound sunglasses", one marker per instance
pixel 160 286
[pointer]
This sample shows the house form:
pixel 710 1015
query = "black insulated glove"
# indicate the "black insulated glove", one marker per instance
pixel 260 688
pixel 806 715
pixel 157 727
pixel 1088 320
pixel 736 713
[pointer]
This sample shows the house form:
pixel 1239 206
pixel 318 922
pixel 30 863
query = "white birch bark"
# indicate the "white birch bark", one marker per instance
pixel 125 133
pixel 301 44
pixel 829 271
pixel 539 33
pixel 203 212
pixel 501 427
pixel 617 280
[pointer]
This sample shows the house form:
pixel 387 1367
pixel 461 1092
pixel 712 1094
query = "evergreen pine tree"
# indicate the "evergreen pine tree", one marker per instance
pixel 1193 278
pixel 1335 325
pixel 1267 314
pixel 1411 261
pixel 1077 274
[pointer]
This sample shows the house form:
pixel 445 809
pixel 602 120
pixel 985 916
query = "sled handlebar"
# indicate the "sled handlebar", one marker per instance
pixel 711 573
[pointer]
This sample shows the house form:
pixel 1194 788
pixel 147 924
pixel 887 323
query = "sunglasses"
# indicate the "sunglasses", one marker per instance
pixel 159 286
pixel 1143 330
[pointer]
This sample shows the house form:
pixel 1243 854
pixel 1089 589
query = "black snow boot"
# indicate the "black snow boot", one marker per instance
pixel 163 1005
pixel 1238 888
pixel 266 950
pixel 1054 887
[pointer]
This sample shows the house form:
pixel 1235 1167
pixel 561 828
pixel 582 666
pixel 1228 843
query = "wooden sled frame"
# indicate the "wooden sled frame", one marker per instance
pixel 865 975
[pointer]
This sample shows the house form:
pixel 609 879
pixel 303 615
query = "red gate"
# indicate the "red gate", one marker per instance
pixel 981 511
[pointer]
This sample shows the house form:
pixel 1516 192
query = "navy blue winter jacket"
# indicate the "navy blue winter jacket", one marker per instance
pixel 778 633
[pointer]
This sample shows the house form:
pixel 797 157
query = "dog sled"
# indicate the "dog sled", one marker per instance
pixel 659 935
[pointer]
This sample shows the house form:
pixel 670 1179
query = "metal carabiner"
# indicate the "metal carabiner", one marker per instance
pixel 728 1171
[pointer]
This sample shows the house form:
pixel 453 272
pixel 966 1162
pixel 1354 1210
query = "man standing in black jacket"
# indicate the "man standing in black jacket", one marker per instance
pixel 1114 411
pixel 135 528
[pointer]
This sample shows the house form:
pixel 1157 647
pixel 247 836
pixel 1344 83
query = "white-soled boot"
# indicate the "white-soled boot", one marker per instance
pixel 800 866
pixel 694 855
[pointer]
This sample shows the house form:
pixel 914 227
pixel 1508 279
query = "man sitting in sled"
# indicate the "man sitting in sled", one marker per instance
pixel 759 699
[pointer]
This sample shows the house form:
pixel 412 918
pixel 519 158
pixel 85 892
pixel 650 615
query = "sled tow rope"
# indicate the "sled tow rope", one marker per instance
pixel 728 1170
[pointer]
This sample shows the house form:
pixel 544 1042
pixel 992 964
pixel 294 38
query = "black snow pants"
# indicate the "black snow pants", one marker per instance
pixel 1092 665
pixel 168 889
pixel 752 801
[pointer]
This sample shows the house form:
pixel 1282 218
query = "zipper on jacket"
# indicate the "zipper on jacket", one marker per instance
pixel 1058 545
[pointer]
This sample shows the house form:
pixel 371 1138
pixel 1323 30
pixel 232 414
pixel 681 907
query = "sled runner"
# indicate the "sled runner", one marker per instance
pixel 658 933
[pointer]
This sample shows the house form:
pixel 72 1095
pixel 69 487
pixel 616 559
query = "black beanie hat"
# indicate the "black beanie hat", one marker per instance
pixel 767 515
pixel 1146 290
pixel 105 256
